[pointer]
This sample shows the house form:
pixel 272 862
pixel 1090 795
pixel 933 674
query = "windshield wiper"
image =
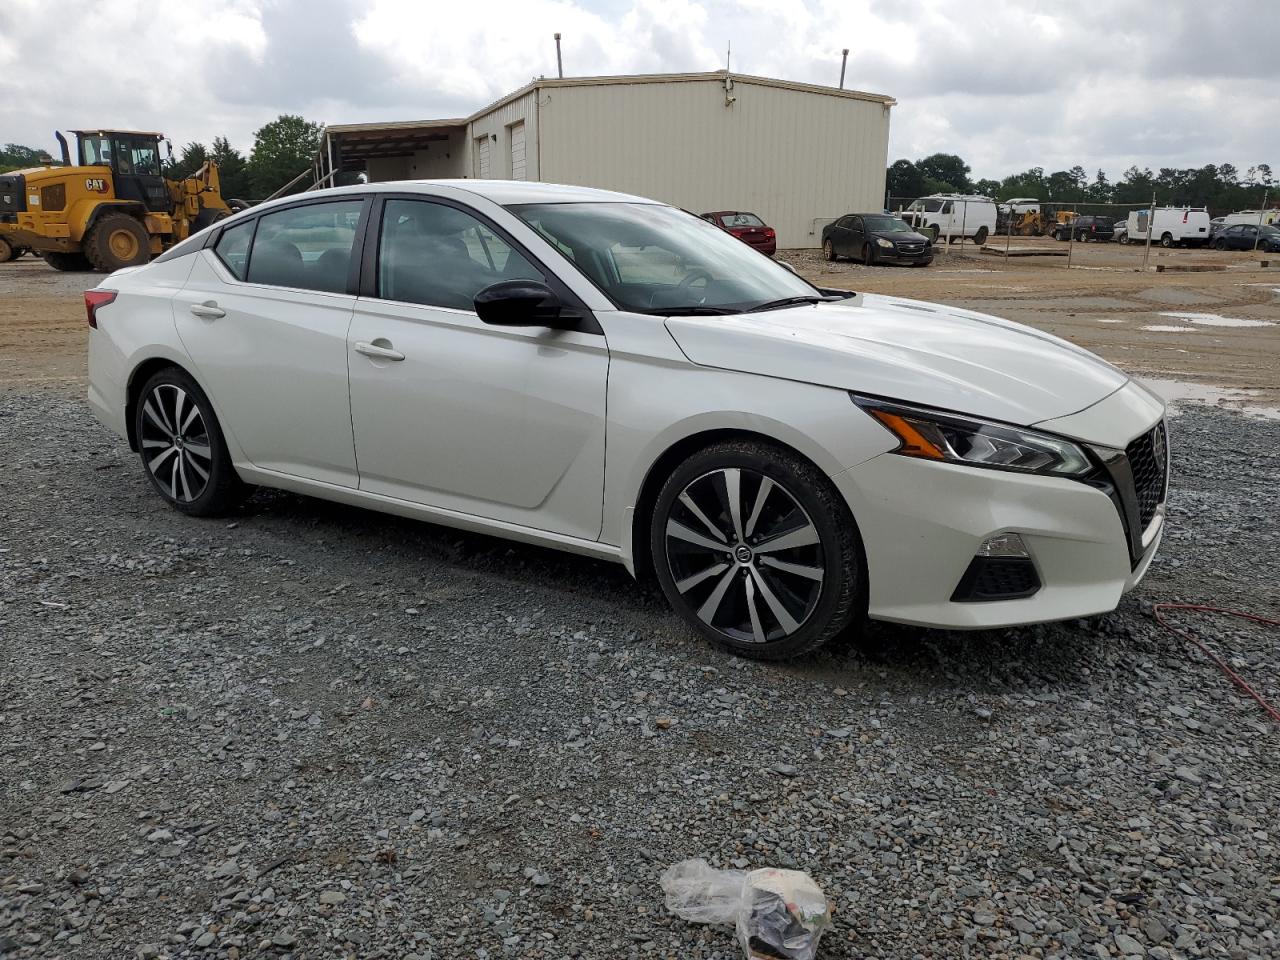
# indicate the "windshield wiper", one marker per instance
pixel 690 311
pixel 792 301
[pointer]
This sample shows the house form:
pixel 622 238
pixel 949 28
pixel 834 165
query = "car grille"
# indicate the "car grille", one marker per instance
pixel 1148 460
pixel 910 247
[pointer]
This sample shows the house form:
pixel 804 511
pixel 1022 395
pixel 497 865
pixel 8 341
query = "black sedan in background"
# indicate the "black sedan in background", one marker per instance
pixel 876 238
pixel 1244 236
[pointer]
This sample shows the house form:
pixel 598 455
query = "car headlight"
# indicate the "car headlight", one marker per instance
pixel 952 438
pixel 882 242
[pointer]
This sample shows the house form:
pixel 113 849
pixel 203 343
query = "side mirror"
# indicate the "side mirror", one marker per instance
pixel 520 303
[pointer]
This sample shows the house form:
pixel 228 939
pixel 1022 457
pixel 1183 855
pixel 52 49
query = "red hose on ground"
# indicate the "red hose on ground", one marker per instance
pixel 1236 678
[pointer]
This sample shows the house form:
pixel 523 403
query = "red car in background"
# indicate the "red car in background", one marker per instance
pixel 748 228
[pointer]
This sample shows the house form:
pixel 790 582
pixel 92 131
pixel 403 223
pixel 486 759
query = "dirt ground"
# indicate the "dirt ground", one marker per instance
pixel 1218 330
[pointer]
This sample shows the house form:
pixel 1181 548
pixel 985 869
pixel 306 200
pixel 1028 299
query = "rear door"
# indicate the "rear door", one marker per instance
pixel 506 423
pixel 264 316
pixel 855 236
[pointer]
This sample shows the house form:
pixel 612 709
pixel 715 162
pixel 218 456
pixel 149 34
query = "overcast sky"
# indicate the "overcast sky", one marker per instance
pixel 1007 85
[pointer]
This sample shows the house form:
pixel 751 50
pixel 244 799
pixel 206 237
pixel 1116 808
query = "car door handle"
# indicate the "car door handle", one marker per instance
pixel 209 310
pixel 379 349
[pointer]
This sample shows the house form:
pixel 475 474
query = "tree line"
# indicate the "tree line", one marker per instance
pixel 281 150
pixel 1222 188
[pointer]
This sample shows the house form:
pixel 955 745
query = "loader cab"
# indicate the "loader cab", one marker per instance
pixel 134 159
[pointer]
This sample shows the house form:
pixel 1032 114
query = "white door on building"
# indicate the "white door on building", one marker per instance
pixel 482 157
pixel 517 151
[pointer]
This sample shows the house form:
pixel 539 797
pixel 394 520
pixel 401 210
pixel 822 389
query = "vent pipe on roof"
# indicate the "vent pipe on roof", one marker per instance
pixel 559 61
pixel 844 60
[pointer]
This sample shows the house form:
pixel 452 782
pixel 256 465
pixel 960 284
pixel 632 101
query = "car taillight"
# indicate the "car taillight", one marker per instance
pixel 768 232
pixel 93 299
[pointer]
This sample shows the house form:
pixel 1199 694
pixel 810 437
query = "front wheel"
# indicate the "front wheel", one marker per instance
pixel 183 452
pixel 868 255
pixel 1166 240
pixel 8 251
pixel 756 550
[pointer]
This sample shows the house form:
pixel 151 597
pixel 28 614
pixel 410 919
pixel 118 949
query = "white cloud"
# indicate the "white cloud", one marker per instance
pixel 1007 84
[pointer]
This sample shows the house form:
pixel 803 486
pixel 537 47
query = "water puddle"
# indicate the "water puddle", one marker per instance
pixel 1108 320
pixel 1214 320
pixel 1167 328
pixel 1177 392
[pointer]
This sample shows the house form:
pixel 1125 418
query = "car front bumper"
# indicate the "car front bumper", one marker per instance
pixel 901 256
pixel 922 523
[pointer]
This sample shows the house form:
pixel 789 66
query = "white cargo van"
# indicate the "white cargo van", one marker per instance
pixel 1174 226
pixel 953 216
pixel 1255 217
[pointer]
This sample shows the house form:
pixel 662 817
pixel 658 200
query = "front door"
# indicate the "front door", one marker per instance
pixel 505 423
pixel 264 315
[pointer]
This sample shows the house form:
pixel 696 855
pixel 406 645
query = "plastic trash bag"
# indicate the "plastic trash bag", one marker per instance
pixel 778 914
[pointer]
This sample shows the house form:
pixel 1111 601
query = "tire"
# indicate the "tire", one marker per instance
pixel 981 236
pixel 935 231
pixel 238 205
pixel 1166 240
pixel 829 251
pixel 8 251
pixel 816 597
pixel 179 440
pixel 868 255
pixel 1219 244
pixel 207 217
pixel 117 240
pixel 67 262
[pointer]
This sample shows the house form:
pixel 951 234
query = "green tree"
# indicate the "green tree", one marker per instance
pixel 192 156
pixel 986 187
pixel 1029 183
pixel 14 156
pixel 233 169
pixel 904 182
pixel 947 170
pixel 282 149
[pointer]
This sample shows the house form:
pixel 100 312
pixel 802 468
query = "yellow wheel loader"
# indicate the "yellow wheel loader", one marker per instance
pixel 110 208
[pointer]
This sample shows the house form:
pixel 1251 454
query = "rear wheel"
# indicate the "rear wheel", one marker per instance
pixel 66 261
pixel 756 550
pixel 981 236
pixel 1166 240
pixel 183 452
pixel 117 240
pixel 829 251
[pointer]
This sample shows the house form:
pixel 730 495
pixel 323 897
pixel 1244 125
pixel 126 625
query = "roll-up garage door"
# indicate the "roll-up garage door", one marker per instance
pixel 517 151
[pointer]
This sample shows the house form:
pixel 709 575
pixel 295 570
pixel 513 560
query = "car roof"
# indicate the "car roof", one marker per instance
pixel 517 191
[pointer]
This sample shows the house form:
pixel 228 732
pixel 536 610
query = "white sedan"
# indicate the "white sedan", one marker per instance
pixel 613 376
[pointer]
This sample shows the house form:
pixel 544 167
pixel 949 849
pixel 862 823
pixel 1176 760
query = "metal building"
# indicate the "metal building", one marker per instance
pixel 797 154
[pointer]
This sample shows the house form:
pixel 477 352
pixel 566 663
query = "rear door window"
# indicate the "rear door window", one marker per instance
pixel 307 247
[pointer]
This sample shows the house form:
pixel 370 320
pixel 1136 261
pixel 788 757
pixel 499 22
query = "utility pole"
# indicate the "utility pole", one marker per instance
pixel 1261 213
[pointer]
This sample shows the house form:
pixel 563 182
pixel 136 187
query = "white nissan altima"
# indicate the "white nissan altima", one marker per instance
pixel 613 376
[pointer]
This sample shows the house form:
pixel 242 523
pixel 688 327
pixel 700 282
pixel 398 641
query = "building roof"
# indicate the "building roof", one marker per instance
pixel 717 75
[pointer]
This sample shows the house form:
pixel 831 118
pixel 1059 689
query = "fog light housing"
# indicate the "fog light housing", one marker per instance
pixel 1002 569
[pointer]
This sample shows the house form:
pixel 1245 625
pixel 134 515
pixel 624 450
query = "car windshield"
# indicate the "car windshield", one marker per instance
pixel 650 258
pixel 928 205
pixel 1271 231
pixel 887 225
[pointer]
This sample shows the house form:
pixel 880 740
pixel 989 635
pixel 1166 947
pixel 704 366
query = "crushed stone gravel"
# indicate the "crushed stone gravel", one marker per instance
pixel 314 731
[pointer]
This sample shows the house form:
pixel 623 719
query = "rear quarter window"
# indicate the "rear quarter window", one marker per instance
pixel 233 248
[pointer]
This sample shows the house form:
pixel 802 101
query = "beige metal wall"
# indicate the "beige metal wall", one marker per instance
pixel 497 122
pixel 797 158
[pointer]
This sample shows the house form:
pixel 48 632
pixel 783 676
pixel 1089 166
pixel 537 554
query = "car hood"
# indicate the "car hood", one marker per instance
pixel 907 350
pixel 910 236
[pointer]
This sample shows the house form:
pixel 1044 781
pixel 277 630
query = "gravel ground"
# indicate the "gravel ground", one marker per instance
pixel 313 731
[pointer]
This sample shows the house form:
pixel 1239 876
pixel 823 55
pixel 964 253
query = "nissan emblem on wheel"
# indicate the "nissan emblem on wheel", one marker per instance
pixel 616 377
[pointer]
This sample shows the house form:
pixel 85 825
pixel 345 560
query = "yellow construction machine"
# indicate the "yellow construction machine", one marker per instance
pixel 111 208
